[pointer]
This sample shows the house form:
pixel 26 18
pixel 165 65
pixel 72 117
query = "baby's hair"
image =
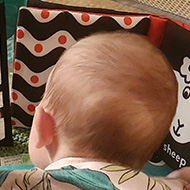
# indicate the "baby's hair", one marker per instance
pixel 113 96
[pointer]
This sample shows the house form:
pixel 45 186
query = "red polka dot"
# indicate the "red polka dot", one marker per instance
pixel 14 96
pixel 45 14
pixel 38 48
pixel 127 20
pixel 31 108
pixel 85 17
pixel 20 34
pixel 34 79
pixel 62 39
pixel 13 122
pixel 17 66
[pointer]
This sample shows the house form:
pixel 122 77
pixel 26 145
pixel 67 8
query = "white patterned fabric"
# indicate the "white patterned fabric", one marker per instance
pixel 78 173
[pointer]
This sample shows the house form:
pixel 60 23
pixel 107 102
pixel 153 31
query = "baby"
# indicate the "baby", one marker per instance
pixel 108 105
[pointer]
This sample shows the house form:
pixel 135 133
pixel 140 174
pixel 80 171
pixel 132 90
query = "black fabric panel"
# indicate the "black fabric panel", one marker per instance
pixel 176 44
pixel 174 153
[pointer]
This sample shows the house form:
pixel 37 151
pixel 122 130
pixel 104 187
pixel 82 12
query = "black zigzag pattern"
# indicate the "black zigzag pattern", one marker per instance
pixel 33 94
pixel 38 64
pixel 21 115
pixel 66 21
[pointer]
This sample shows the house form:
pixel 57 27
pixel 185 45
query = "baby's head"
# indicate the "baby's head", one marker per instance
pixel 112 96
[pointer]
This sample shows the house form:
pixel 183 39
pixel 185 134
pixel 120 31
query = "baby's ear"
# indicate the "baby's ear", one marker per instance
pixel 45 126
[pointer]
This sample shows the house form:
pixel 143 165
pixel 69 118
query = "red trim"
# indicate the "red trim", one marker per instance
pixel 186 26
pixel 157 29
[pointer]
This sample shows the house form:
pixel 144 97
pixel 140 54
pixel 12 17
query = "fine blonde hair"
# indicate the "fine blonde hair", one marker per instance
pixel 113 95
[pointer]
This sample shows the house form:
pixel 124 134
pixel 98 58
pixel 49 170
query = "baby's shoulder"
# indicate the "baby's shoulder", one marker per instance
pixel 70 177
